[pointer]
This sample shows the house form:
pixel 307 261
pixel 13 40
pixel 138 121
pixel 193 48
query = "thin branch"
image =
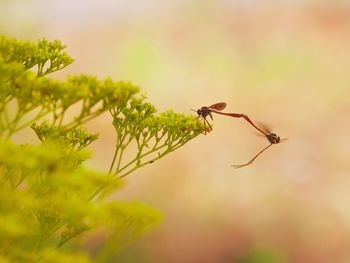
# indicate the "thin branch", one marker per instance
pixel 169 150
pixel 41 114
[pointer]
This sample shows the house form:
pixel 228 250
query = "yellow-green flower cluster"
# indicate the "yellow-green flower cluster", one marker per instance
pixel 47 197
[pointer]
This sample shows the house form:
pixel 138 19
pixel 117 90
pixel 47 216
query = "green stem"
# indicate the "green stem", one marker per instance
pixel 41 114
pixel 169 150
pixel 6 116
pixel 114 158
pixel 140 156
pixel 120 140
pixel 55 116
pixel 81 121
pixel 96 192
pixel 61 117
pixel 12 128
pixel 121 147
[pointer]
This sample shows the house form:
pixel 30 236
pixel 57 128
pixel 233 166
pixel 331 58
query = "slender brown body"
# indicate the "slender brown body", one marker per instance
pixel 239 115
pixel 205 111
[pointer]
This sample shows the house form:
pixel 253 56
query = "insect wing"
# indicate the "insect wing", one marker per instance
pixel 218 106
pixel 264 127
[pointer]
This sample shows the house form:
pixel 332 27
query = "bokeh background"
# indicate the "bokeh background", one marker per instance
pixel 284 63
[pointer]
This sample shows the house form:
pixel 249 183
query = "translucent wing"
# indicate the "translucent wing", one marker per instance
pixel 259 134
pixel 218 106
pixel 264 127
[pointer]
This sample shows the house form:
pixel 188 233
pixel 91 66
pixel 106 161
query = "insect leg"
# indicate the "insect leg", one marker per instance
pixel 208 124
pixel 251 160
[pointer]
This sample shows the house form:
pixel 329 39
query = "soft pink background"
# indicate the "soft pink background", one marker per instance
pixel 285 63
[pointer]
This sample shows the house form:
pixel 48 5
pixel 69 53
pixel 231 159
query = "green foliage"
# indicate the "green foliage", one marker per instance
pixel 46 56
pixel 154 135
pixel 73 138
pixel 48 200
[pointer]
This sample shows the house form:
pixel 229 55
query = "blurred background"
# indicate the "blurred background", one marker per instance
pixel 284 63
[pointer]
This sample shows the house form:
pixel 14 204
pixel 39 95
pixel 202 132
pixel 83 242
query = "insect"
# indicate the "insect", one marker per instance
pixel 271 137
pixel 204 112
